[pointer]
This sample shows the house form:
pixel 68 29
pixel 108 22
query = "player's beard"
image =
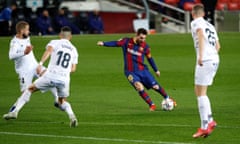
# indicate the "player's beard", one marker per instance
pixel 139 41
pixel 25 36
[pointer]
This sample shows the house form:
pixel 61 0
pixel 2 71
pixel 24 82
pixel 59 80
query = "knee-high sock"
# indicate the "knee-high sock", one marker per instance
pixel 68 109
pixel 145 97
pixel 210 117
pixel 21 101
pixel 203 107
pixel 162 92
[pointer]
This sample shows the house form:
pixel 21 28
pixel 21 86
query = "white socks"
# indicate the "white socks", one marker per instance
pixel 68 109
pixel 205 111
pixel 21 101
pixel 25 97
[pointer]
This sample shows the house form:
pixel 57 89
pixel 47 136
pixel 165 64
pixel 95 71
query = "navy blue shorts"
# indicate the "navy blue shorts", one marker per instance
pixel 145 77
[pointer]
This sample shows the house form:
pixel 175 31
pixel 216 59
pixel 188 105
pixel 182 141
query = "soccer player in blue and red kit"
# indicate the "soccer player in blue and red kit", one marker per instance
pixel 137 73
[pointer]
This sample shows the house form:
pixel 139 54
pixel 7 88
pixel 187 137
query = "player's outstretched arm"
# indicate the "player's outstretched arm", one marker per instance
pixel 108 44
pixel 45 56
pixel 100 43
pixel 158 73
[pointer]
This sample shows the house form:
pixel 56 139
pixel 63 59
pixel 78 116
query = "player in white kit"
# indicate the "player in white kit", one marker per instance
pixel 206 43
pixel 21 52
pixel 63 60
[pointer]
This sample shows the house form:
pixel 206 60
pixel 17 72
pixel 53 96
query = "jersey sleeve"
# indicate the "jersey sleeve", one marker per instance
pixel 149 58
pixel 195 25
pixel 15 51
pixel 147 50
pixel 28 41
pixel 216 35
pixel 118 43
pixel 52 44
pixel 75 57
pixel 122 42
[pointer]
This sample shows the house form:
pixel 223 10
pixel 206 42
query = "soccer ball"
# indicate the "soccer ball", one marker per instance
pixel 167 104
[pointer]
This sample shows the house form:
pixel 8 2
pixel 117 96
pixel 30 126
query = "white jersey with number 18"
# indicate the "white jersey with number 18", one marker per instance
pixel 63 56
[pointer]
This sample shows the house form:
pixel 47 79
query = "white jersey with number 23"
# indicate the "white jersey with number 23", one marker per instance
pixel 210 39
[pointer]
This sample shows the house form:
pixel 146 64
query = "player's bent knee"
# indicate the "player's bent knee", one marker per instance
pixel 64 106
pixel 61 100
pixel 138 86
pixel 32 88
pixel 156 87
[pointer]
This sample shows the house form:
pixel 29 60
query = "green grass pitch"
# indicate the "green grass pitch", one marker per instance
pixel 110 111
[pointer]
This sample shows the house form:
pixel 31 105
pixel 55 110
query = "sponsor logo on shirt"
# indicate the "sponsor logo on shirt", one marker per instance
pixel 134 52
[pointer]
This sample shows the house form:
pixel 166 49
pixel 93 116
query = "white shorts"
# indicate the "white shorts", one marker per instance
pixel 205 74
pixel 26 78
pixel 44 83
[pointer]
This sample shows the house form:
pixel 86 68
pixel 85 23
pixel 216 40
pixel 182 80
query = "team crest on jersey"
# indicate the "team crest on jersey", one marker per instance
pixel 130 78
pixel 141 48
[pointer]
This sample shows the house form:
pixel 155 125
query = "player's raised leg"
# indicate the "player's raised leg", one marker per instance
pixel 21 101
pixel 54 94
pixel 53 90
pixel 150 82
pixel 161 91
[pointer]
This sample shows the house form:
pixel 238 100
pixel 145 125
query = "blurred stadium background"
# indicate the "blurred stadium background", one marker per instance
pixel 120 16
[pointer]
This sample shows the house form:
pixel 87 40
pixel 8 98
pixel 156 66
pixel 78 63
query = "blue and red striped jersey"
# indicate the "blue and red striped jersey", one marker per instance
pixel 133 53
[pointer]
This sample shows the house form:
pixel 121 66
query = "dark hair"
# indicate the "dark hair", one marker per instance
pixel 142 31
pixel 66 32
pixel 66 29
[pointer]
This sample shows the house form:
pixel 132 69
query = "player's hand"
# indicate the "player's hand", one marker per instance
pixel 39 70
pixel 200 62
pixel 100 43
pixel 28 49
pixel 158 73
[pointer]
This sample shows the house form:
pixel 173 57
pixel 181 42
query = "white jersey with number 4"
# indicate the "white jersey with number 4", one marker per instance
pixel 210 39
pixel 23 63
pixel 63 56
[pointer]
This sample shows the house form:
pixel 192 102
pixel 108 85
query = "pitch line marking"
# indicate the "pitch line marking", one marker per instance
pixel 131 124
pixel 89 138
pixel 114 124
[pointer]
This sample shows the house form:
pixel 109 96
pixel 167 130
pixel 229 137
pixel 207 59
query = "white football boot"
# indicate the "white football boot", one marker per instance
pixel 10 115
pixel 73 122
